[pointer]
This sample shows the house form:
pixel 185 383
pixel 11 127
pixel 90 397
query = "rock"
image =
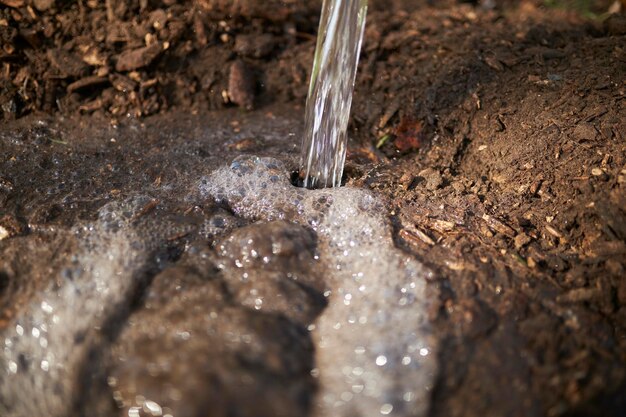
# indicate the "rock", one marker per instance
pixel 138 58
pixel 241 85
pixel 255 46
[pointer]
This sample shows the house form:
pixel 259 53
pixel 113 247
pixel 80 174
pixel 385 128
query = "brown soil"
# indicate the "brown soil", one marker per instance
pixel 497 134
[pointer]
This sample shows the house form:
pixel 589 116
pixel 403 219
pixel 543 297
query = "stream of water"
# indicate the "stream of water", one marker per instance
pixel 330 92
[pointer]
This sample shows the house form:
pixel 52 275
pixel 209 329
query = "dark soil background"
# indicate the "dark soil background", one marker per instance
pixel 495 129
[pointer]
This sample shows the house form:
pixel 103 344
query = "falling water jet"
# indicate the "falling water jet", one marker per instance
pixel 330 92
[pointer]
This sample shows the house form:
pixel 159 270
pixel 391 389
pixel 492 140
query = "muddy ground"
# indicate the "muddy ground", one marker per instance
pixel 495 131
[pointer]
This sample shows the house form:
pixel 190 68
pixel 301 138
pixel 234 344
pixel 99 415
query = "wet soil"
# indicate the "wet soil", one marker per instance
pixel 495 132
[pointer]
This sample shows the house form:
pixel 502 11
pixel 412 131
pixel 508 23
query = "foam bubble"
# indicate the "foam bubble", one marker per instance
pixel 49 342
pixel 372 337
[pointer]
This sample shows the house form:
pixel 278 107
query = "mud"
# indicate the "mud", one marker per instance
pixel 492 135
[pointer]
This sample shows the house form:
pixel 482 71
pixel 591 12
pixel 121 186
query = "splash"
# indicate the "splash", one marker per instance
pixel 375 351
pixel 330 92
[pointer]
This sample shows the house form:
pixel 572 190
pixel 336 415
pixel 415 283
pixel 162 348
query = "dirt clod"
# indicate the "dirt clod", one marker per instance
pixel 255 46
pixel 432 178
pixel 241 85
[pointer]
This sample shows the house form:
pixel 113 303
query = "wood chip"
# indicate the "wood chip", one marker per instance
pixel 416 236
pixel 554 232
pixel 535 186
pixel 91 106
pixel 94 57
pixel 86 82
pixel 138 58
pixel 391 110
pixel 499 226
pixel 122 83
pixel 178 236
pixel 145 210
pixel 442 226
pixel 13 3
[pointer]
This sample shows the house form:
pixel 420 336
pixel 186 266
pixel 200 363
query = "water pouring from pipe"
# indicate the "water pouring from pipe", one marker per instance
pixel 330 92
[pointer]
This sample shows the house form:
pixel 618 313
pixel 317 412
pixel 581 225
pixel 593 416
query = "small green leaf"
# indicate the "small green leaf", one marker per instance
pixel 382 141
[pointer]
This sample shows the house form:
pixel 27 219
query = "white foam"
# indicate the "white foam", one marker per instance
pixel 47 344
pixel 375 352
